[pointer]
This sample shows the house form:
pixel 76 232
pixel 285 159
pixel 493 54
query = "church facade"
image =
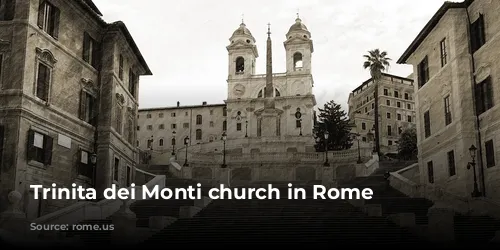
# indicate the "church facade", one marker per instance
pixel 275 109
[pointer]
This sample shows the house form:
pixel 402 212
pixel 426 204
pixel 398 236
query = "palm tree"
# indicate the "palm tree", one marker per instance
pixel 377 62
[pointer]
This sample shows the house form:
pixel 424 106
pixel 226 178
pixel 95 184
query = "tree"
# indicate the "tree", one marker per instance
pixel 377 62
pixel 407 144
pixel 332 118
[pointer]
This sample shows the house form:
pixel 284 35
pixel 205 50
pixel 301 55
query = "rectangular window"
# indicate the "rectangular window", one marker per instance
pixel 90 50
pixel 173 126
pixel 160 115
pixel 400 130
pixel 409 118
pixel 477 36
pixel 363 126
pixel 198 134
pixel 427 124
pixel 430 172
pixel 407 96
pixel 484 96
pixel 173 114
pixel 490 154
pixel 40 147
pixel 451 163
pixel 423 72
pixel 119 118
pixel 398 104
pixel 161 126
pixel 444 54
pixel 148 116
pixel 132 82
pixel 43 82
pixel 388 102
pixel 150 127
pixel 389 130
pixel 224 126
pixel 116 169
pixel 238 126
pixel 388 115
pixel 211 124
pixel 396 94
pixel 408 106
pixel 185 125
pixel 48 18
pixel 298 123
pixel 120 67
pixel 399 117
pixel 7 10
pixel 386 92
pixel 447 111
pixel 138 128
pixel 87 108
pixel 85 167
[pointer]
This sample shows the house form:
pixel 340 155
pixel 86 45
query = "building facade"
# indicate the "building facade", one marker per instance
pixel 456 63
pixel 69 85
pixel 287 119
pixel 162 129
pixel 396 110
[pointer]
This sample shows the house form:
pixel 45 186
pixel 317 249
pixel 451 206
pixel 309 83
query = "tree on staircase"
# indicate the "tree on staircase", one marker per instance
pixel 407 144
pixel 332 118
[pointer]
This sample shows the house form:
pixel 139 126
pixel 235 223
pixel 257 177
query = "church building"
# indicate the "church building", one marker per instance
pixel 275 109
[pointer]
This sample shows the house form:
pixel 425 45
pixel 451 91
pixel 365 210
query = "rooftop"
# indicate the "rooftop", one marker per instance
pixel 182 107
pixel 383 74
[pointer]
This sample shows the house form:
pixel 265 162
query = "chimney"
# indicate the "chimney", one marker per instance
pixel 204 103
pixel 178 103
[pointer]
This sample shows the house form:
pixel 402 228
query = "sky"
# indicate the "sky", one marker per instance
pixel 184 41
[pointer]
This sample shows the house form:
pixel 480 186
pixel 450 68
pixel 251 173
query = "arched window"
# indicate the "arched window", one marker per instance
pixel 160 142
pixel 211 139
pixel 199 120
pixel 198 134
pixel 224 111
pixel 224 126
pixel 260 94
pixel 173 141
pixel 276 93
pixel 297 61
pixel 240 65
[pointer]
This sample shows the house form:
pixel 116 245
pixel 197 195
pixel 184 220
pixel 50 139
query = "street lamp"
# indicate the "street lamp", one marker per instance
pixel 186 142
pixel 173 142
pixel 355 136
pixel 472 151
pixel 327 164
pixel 224 137
pixel 246 128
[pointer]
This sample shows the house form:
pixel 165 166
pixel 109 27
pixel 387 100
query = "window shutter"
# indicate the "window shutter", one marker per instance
pixel 95 111
pixel 55 16
pixel 479 101
pixel 96 55
pixel 83 103
pixel 46 84
pixel 31 147
pixel 10 10
pixel 41 14
pixel 47 147
pixel 86 46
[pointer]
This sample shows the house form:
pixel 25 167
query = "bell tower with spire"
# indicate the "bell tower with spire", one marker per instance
pixel 242 53
pixel 299 48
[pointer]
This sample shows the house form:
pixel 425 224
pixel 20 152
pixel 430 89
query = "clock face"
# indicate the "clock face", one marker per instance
pixel 239 90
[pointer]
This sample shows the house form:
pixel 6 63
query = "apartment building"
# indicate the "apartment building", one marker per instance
pixel 68 84
pixel 396 110
pixel 456 60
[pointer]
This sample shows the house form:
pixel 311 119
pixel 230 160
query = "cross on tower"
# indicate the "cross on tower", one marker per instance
pixel 298 17
pixel 268 29
pixel 242 18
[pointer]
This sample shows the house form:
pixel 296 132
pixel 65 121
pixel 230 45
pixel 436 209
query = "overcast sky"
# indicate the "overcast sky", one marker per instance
pixel 184 41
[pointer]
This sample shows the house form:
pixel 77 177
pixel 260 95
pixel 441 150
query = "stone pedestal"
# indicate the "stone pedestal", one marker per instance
pixel 225 177
pixel 13 220
pixel 441 224
pixel 125 225
pixel 328 178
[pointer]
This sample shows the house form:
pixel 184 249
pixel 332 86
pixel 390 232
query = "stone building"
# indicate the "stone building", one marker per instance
pixel 262 112
pixel 69 85
pixel 396 110
pixel 200 123
pixel 456 60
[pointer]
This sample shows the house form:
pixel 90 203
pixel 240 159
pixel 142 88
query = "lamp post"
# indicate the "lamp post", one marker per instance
pixel 173 142
pixel 93 160
pixel 224 137
pixel 326 164
pixel 186 142
pixel 246 128
pixel 472 151
pixel 355 136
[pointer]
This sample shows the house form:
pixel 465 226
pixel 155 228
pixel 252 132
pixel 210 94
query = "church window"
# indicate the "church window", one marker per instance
pixel 297 61
pixel 161 143
pixel 199 120
pixel 240 65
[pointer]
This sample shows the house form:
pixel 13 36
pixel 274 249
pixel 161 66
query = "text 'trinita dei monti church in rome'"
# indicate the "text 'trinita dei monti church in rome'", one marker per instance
pixel 263 113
